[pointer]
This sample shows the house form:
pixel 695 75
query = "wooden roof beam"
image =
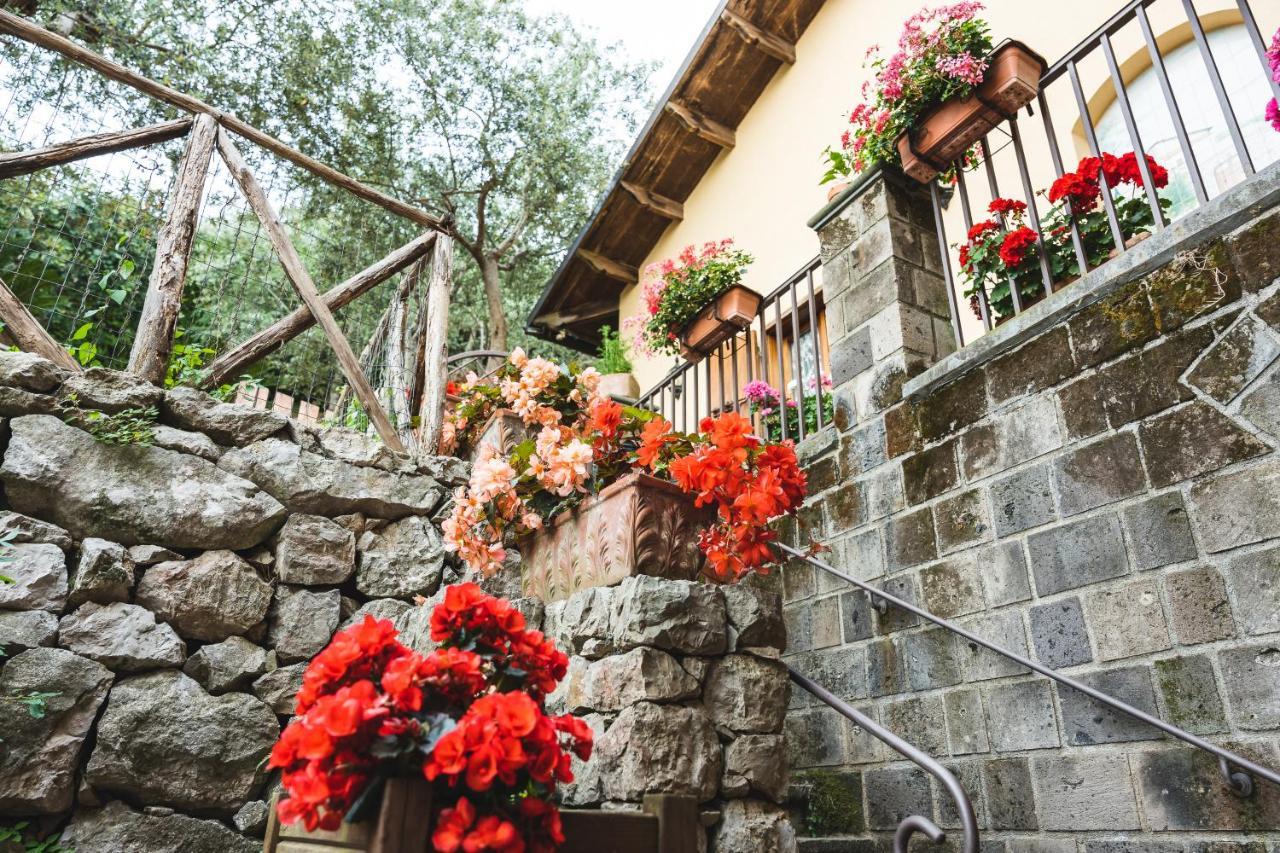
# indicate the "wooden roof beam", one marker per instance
pixel 585 314
pixel 608 266
pixel 705 127
pixel 765 41
pixel 655 203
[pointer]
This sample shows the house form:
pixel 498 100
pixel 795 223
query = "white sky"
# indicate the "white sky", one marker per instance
pixel 650 30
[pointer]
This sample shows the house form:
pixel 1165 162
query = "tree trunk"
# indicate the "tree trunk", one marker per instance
pixel 493 297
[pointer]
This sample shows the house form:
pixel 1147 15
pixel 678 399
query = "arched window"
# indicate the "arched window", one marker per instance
pixel 1237 62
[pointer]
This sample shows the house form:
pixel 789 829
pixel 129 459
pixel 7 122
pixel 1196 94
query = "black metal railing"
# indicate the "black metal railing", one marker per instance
pixel 1067 72
pixel 776 349
pixel 912 823
pixel 1237 771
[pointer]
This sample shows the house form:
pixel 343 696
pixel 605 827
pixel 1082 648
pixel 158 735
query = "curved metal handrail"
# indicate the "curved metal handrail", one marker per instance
pixel 1235 768
pixel 912 823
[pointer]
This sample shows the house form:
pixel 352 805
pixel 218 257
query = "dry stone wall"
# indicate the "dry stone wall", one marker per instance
pixel 1104 499
pixel 683 684
pixel 169 596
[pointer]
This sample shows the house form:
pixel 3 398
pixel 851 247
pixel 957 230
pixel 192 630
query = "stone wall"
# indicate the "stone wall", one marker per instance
pixel 169 596
pixel 683 685
pixel 1105 498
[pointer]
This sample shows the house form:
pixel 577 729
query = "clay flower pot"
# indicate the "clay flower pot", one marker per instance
pixel 836 189
pixel 728 314
pixel 638 525
pixel 401 825
pixel 1011 81
pixel 620 385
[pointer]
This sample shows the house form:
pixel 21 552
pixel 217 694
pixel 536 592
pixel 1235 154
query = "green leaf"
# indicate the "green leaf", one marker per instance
pixel 126 269
pixel 117 296
pixel 81 332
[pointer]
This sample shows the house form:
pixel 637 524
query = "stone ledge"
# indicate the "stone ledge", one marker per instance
pixel 1234 208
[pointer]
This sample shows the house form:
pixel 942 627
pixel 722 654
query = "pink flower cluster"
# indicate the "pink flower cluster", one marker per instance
pixel 1273 57
pixel 561 461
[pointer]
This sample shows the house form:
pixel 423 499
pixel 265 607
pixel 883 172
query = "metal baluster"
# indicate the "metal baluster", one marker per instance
pixel 984 307
pixel 1219 91
pixel 782 367
pixel 1045 273
pixel 795 359
pixel 693 398
pixel 994 186
pixel 737 389
pixel 1259 46
pixel 946 264
pixel 720 367
pixel 707 362
pixel 1126 112
pixel 1175 115
pixel 817 345
pixel 1056 156
pixel 1091 136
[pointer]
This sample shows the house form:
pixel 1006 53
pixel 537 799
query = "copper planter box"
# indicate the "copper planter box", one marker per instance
pixel 639 525
pixel 728 314
pixel 944 134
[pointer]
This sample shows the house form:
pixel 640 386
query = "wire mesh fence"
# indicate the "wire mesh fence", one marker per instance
pixel 77 245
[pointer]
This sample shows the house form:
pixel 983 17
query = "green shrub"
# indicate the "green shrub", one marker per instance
pixel 613 353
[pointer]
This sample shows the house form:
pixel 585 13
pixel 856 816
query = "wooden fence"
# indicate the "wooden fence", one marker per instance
pixel 416 367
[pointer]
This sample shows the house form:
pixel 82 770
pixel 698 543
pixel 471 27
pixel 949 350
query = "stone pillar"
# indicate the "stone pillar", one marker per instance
pixel 886 299
pixel 682 684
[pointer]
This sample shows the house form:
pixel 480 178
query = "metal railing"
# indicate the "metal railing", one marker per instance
pixel 774 350
pixel 1237 771
pixel 912 823
pixel 1010 134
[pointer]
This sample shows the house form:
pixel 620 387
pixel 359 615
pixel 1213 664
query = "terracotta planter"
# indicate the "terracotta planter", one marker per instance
pixel 638 525
pixel 620 385
pixel 836 189
pixel 403 825
pixel 728 314
pixel 946 132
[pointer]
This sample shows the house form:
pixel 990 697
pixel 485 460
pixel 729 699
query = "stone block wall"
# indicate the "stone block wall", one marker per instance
pixel 683 685
pixel 166 598
pixel 1104 499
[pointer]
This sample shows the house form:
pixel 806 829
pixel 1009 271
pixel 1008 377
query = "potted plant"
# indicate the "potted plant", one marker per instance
pixel 941 91
pixel 615 367
pixel 768 404
pixel 393 751
pixel 1001 253
pixel 612 490
pixel 697 301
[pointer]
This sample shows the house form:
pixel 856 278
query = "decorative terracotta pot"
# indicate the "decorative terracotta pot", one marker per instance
pixel 836 189
pixel 504 430
pixel 402 825
pixel 728 314
pixel 639 525
pixel 620 385
pixel 943 134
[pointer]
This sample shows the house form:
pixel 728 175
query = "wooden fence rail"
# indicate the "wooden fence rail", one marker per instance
pixel 208 129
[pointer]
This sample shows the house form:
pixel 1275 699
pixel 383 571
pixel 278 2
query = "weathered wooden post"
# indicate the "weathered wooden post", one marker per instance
pixel 149 357
pixel 431 416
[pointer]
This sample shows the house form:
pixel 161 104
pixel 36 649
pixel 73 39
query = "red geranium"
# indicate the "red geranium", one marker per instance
pixel 468 714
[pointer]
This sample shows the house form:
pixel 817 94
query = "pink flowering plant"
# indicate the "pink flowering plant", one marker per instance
pixel 1273 59
pixel 675 290
pixel 942 54
pixel 767 402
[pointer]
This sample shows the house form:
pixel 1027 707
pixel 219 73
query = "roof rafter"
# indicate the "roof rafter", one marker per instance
pixel 654 202
pixel 703 126
pixel 608 266
pixel 767 42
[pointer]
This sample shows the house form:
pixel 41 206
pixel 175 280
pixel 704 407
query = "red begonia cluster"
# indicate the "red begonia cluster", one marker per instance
pixel 468 716
pixel 748 481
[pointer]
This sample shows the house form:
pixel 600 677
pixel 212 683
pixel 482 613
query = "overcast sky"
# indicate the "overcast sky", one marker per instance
pixel 660 31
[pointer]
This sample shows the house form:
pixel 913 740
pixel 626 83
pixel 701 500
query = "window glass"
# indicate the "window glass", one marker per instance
pixel 1242 77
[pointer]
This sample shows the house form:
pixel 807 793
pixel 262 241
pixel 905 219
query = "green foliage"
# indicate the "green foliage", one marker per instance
pixel 185 361
pixel 131 426
pixel 612 357
pixel 18 838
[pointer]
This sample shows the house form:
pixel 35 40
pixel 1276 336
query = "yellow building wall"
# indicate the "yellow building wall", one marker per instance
pixel 763 190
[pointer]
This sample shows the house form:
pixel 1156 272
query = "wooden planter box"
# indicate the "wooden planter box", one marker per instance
pixel 728 314
pixel 668 824
pixel 639 525
pixel 945 133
